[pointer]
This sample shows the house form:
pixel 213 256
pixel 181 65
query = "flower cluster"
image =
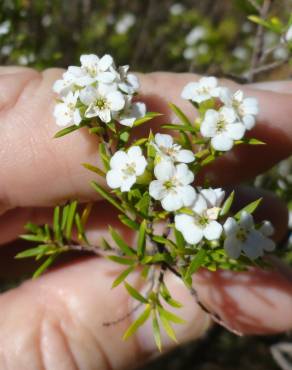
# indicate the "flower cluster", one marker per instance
pixel 229 122
pixel 97 89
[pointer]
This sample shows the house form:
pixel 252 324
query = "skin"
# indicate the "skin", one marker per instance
pixel 56 322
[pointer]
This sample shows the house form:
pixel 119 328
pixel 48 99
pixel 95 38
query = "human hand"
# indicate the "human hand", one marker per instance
pixel 58 319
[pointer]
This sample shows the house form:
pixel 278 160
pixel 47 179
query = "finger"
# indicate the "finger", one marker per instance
pixel 66 309
pixel 58 321
pixel 32 161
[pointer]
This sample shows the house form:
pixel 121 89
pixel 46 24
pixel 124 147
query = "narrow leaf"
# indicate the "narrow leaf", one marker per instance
pixel 124 247
pixel 135 294
pixel 146 118
pixel 170 316
pixel 121 260
pixel 197 262
pixel 105 194
pixel 250 208
pixel 138 323
pixel 44 266
pixel 70 219
pixel 32 252
pixel 66 131
pixel 227 204
pixel 141 239
pixel 128 222
pixel 94 169
pixel 183 118
pixel 156 330
pixel 167 327
pixel 122 276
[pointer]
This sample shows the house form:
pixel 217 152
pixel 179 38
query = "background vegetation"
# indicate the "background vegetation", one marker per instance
pixel 209 37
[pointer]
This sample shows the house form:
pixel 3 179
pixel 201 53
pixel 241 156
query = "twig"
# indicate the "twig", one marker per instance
pixel 269 66
pixel 259 40
pixel 255 5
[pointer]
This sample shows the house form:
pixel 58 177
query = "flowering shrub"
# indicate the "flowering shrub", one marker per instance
pixel 151 181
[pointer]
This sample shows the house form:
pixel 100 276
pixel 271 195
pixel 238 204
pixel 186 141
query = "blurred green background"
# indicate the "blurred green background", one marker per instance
pixel 208 37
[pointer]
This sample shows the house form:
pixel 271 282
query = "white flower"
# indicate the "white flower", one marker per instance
pixel 125 168
pixel 222 128
pixel 4 27
pixel 195 35
pixel 203 223
pixel 131 113
pixel 126 22
pixel 288 35
pixel 172 186
pixel 205 89
pixel 101 103
pixel 66 113
pixel 127 82
pixel 176 9
pixel 246 108
pixel 167 150
pixel 242 236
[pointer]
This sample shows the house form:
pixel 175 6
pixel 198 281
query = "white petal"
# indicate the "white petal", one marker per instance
pixel 104 115
pixel 163 140
pixel 188 195
pixel 89 59
pixel 191 233
pixel 172 202
pixel 228 114
pixel 127 121
pixel 222 142
pixel 209 82
pixel 114 179
pixel 268 245
pixel 127 183
pixel 105 77
pixel 105 62
pixel 213 230
pixel 200 204
pixel 185 156
pixel 253 246
pixel 267 228
pixel 249 121
pixel 134 151
pixel 250 106
pixel 77 117
pixel 188 90
pixel 141 164
pixel 230 226
pixel 157 190
pixel 209 124
pixel 232 247
pixel 88 95
pixel 164 171
pixel 119 160
pixel 116 100
pixel 246 220
pixel 184 175
pixel 235 131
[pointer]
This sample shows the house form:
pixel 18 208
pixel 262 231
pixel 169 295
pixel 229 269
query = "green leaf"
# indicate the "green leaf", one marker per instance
pixel 103 156
pixel 156 331
pixel 227 204
pixel 124 247
pixel 167 297
pixel 141 239
pixel 124 136
pixel 64 217
pixel 250 208
pixel 80 229
pixel 182 128
pixel 183 118
pixel 56 224
pixel 66 131
pixel 138 322
pixel 33 228
pixel 197 262
pixel 34 238
pixel 122 276
pixel 105 194
pixel 143 204
pixel 167 327
pixel 32 252
pixel 45 266
pixel 170 316
pixel 134 293
pixel 179 239
pixel 208 160
pixel 94 169
pixel 128 222
pixel 70 219
pixel 121 260
pixel 148 116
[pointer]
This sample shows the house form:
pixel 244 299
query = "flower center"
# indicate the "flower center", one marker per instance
pixel 241 235
pixel 91 70
pixel 129 170
pixel 101 104
pixel 220 125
